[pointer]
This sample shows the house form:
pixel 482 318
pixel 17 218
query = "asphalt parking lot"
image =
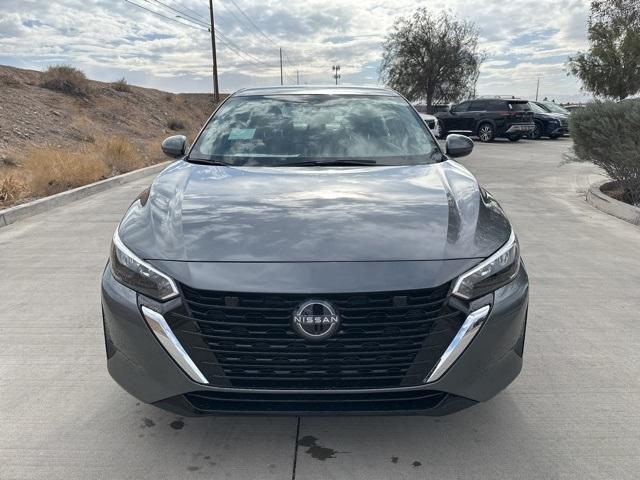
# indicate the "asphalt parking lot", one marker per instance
pixel 573 413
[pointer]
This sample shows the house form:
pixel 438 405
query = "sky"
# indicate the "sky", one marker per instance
pixel 171 48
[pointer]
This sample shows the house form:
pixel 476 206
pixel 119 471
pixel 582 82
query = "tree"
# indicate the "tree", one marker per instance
pixel 611 66
pixel 432 58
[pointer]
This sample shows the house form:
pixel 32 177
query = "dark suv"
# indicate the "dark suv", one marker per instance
pixel 548 123
pixel 488 118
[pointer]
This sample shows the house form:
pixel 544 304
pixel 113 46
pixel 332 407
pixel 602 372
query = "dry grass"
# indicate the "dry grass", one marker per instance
pixel 12 188
pixel 121 85
pixel 9 81
pixel 84 129
pixel 66 79
pixel 52 170
pixel 120 155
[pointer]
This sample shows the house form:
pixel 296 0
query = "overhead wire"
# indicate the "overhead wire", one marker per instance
pixel 194 23
pixel 198 21
pixel 251 22
pixel 202 21
pixel 166 17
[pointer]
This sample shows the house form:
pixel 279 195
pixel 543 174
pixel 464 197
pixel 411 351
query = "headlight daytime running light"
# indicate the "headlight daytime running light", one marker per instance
pixel 135 273
pixel 491 274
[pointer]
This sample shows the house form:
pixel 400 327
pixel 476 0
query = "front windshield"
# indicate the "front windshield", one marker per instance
pixel 552 107
pixel 537 108
pixel 280 130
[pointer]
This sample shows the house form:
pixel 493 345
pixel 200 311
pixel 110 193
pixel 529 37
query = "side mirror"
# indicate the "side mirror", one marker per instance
pixel 175 146
pixel 458 145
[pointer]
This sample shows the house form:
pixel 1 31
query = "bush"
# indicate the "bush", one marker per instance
pixel 53 170
pixel 66 79
pixel 46 171
pixel 176 124
pixel 12 188
pixel 9 81
pixel 608 135
pixel 121 85
pixel 120 155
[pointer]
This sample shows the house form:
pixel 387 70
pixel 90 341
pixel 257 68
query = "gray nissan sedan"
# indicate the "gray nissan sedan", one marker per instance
pixel 315 252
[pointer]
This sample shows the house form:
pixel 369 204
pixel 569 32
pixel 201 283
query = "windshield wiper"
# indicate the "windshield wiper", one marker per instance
pixel 331 163
pixel 202 161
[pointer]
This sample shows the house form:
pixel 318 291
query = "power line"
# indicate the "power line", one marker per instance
pixel 230 42
pixel 194 19
pixel 244 56
pixel 252 23
pixel 247 28
pixel 223 38
pixel 166 17
pixel 193 22
pixel 194 12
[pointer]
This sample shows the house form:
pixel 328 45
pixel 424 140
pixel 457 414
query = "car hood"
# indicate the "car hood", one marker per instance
pixel 204 213
pixel 551 115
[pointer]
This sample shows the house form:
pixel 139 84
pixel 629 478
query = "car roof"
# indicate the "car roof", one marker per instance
pixel 315 90
pixel 502 99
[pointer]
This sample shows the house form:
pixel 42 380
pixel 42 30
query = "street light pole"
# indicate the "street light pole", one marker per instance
pixel 281 75
pixel 216 90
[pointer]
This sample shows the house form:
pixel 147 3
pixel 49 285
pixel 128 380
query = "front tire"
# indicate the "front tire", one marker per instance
pixel 486 133
pixel 537 132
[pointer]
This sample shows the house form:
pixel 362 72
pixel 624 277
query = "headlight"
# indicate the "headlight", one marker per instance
pixel 493 273
pixel 138 275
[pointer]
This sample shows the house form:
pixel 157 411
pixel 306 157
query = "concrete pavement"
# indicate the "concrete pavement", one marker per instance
pixel 573 412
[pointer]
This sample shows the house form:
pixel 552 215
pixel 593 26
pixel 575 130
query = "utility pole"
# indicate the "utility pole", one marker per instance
pixel 281 75
pixel 537 88
pixel 297 77
pixel 216 91
pixel 336 75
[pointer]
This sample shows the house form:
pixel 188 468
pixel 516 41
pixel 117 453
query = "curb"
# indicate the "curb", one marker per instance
pixel 606 204
pixel 20 212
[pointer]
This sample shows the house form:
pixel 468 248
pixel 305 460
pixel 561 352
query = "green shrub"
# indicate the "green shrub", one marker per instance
pixel 608 135
pixel 66 79
pixel 176 124
pixel 121 85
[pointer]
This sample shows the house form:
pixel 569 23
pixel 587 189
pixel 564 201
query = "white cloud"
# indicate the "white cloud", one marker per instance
pixel 110 38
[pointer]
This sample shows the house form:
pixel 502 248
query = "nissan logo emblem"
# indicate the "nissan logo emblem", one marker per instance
pixel 316 320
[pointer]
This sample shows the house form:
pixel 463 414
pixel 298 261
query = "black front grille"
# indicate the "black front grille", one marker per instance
pixel 399 401
pixel 246 340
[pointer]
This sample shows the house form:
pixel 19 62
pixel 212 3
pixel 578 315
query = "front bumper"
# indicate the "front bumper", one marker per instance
pixel 521 128
pixel 141 365
pixel 557 130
